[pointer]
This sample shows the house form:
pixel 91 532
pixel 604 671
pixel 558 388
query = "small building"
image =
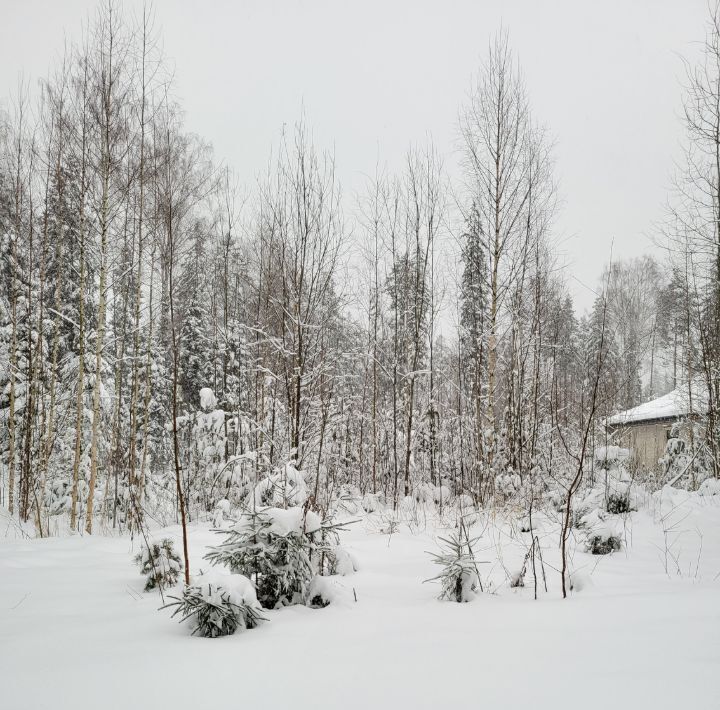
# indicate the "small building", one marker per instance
pixel 645 429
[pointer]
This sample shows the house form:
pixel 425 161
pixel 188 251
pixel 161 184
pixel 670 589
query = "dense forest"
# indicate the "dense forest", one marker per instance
pixel 170 338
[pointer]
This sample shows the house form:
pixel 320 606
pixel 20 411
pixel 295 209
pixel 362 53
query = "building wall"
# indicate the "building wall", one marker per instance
pixel 647 442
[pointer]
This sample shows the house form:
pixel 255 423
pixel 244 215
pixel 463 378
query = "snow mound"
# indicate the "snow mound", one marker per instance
pixel 208 400
pixel 610 455
pixel 344 561
pixel 283 521
pixel 286 487
pixel 709 487
pixel 238 587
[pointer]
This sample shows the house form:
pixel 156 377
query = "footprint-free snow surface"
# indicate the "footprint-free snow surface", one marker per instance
pixel 642 631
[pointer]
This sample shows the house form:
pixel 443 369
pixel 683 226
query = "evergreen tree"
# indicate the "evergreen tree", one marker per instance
pixel 473 298
pixel 473 319
pixel 196 351
pixel 409 299
pixel 62 292
pixel 193 360
pixel 599 349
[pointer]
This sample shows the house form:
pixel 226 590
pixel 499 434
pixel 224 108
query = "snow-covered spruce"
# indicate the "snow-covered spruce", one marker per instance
pixel 280 550
pixel 286 487
pixel 687 461
pixel 615 488
pixel 459 578
pixel 160 564
pixel 218 604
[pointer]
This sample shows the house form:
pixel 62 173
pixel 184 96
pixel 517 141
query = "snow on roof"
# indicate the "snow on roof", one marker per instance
pixel 681 401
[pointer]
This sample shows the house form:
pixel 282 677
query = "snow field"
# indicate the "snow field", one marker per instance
pixel 77 631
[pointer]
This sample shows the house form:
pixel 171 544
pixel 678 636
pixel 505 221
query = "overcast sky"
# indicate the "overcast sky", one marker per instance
pixel 604 77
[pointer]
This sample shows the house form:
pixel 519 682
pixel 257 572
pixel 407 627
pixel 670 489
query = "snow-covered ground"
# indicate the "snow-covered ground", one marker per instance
pixel 77 631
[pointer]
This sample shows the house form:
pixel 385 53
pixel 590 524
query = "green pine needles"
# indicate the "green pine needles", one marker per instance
pixel 216 610
pixel 280 550
pixel 160 564
pixel 459 577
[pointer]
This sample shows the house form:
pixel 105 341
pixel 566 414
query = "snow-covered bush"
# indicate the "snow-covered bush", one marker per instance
pixel 682 463
pixel 349 501
pixel 58 496
pixel 557 499
pixel 160 564
pixel 580 580
pixel 373 502
pixel 389 523
pixel 342 561
pixel 709 487
pixel 208 400
pixel 525 524
pixel 613 491
pixel 618 501
pixel 221 512
pixel 218 605
pixel 281 550
pixel 320 593
pixel 591 519
pixel 508 484
pixel 517 579
pixel 285 487
pixel 459 577
pixel 216 448
pixel 426 493
pixel 600 532
pixel 603 541
pixel 611 458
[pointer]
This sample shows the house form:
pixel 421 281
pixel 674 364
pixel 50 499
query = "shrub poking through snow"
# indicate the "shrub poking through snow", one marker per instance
pixel 459 577
pixel 611 458
pixel 341 561
pixel 602 542
pixel 579 581
pixel 618 502
pixel 218 605
pixel 508 484
pixel 160 564
pixel 285 487
pixel 517 579
pixel 320 593
pixel 280 550
pixel 613 492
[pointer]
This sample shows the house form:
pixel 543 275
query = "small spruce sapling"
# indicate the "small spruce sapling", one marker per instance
pixel 160 564
pixel 279 564
pixel 218 607
pixel 280 550
pixel 686 461
pixel 459 577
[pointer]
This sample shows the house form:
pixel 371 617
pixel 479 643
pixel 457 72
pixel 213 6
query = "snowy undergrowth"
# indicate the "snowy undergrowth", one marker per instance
pixel 78 602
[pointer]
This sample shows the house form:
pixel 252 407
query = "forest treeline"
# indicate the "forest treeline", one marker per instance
pixel 168 338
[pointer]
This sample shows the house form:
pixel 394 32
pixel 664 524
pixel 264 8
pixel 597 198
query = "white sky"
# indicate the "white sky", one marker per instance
pixel 604 77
